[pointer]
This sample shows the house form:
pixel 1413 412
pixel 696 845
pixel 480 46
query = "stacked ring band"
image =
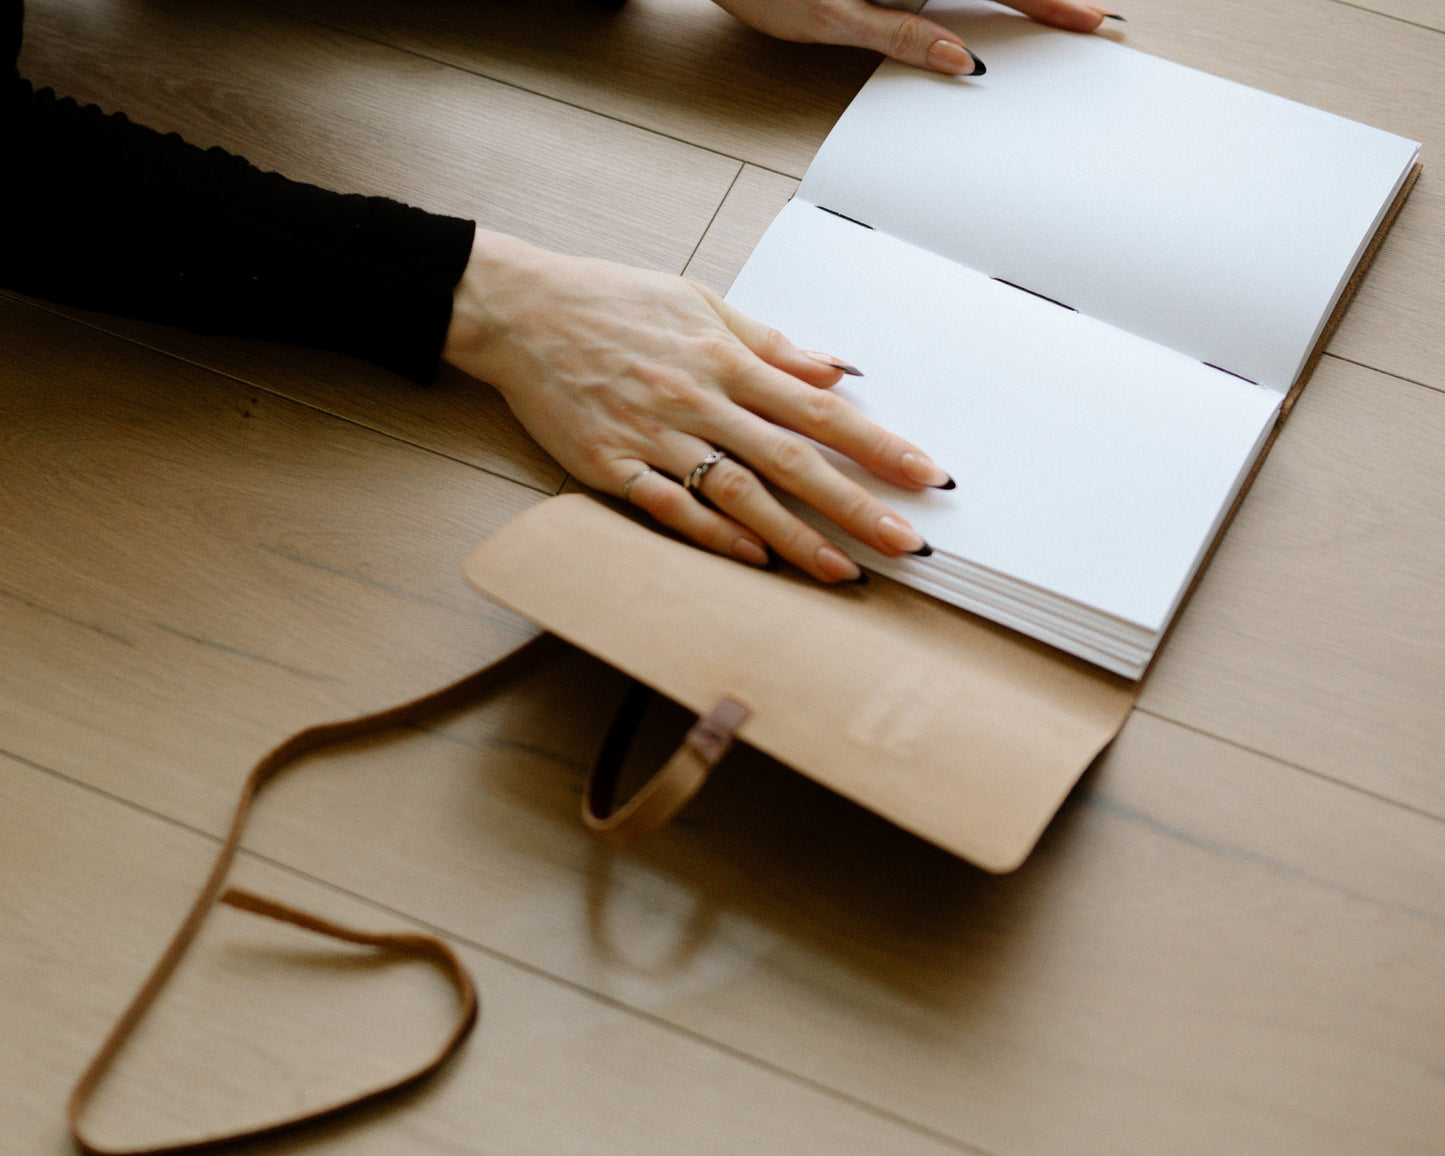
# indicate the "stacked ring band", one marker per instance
pixel 627 485
pixel 693 482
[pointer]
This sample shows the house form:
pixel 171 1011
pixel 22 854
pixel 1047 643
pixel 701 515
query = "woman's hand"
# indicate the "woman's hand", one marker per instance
pixel 901 35
pixel 630 379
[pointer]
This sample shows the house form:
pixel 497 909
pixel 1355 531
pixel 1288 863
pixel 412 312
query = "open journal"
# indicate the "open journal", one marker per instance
pixel 1085 283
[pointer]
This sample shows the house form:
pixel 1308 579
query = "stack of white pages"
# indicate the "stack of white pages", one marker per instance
pixel 1084 283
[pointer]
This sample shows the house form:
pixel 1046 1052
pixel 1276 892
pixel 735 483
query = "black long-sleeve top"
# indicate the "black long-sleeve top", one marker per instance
pixel 98 212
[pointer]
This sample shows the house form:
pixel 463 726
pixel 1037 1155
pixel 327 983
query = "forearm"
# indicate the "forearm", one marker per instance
pixel 105 214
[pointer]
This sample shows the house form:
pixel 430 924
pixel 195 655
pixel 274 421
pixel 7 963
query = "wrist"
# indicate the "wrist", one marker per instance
pixel 496 274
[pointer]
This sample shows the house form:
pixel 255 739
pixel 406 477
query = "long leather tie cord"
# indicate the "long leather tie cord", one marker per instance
pixel 422 946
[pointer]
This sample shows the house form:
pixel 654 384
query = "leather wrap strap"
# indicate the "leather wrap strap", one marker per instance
pixel 213 891
pixel 675 782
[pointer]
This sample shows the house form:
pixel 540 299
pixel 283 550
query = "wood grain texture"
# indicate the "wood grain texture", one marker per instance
pixel 1233 938
pixel 682 68
pixel 456 415
pixel 192 569
pixel 1318 633
pixel 353 115
pixel 1425 13
pixel 263 1018
pixel 754 200
pixel 1207 944
pixel 349 114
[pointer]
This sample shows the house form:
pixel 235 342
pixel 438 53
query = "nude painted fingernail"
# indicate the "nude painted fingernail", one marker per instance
pixel 922 470
pixel 836 566
pixel 948 56
pixel 899 535
pixel 834 362
pixel 746 550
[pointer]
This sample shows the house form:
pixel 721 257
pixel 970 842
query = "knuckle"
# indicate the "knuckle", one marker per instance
pixel 886 447
pixel 909 40
pixel 821 410
pixel 797 543
pixel 722 350
pixel 829 21
pixel 731 483
pixel 674 388
pixel 665 503
pixel 790 458
pixel 720 535
pixel 592 448
pixel 857 509
pixel 1058 12
pixel 772 340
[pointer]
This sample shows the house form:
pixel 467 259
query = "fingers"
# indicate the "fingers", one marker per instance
pixel 729 499
pixel 817 369
pixel 798 468
pixel 903 36
pixel 737 491
pixel 835 362
pixel 723 504
pixel 914 40
pixel 1070 14
pixel 672 506
pixel 770 388
pixel 821 416
pixel 831 421
pixel 909 39
pixel 730 511
pixel 826 419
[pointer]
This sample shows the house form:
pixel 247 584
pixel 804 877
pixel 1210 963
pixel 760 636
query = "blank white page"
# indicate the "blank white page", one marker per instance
pixel 1090 463
pixel 1212 218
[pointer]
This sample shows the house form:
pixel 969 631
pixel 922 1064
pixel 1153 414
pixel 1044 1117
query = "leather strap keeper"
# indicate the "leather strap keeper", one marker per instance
pixel 674 783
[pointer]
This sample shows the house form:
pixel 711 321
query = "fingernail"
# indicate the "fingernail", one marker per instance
pixel 834 362
pixel 836 566
pixel 1115 16
pixel 923 551
pixel 952 57
pixel 746 550
pixel 899 535
pixel 922 470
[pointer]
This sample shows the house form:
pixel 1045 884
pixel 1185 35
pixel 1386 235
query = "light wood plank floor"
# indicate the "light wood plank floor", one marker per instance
pixel 1231 940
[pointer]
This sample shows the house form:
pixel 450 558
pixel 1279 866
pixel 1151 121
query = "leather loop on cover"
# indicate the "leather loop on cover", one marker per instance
pixel 425 947
pixel 674 784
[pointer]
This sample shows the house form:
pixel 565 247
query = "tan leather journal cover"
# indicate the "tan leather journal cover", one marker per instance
pixel 957 729
pixel 951 727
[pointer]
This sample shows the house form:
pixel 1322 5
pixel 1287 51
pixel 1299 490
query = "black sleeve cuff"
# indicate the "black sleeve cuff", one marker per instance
pixel 107 215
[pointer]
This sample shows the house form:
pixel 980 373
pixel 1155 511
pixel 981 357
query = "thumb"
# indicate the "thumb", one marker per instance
pixel 909 39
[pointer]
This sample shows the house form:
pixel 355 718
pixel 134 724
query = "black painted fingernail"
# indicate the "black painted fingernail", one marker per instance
pixel 835 362
pixel 861 580
pixel 1115 16
pixel 923 551
pixel 948 485
pixel 979 68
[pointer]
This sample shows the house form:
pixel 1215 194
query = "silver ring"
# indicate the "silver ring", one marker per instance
pixel 627 485
pixel 693 482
